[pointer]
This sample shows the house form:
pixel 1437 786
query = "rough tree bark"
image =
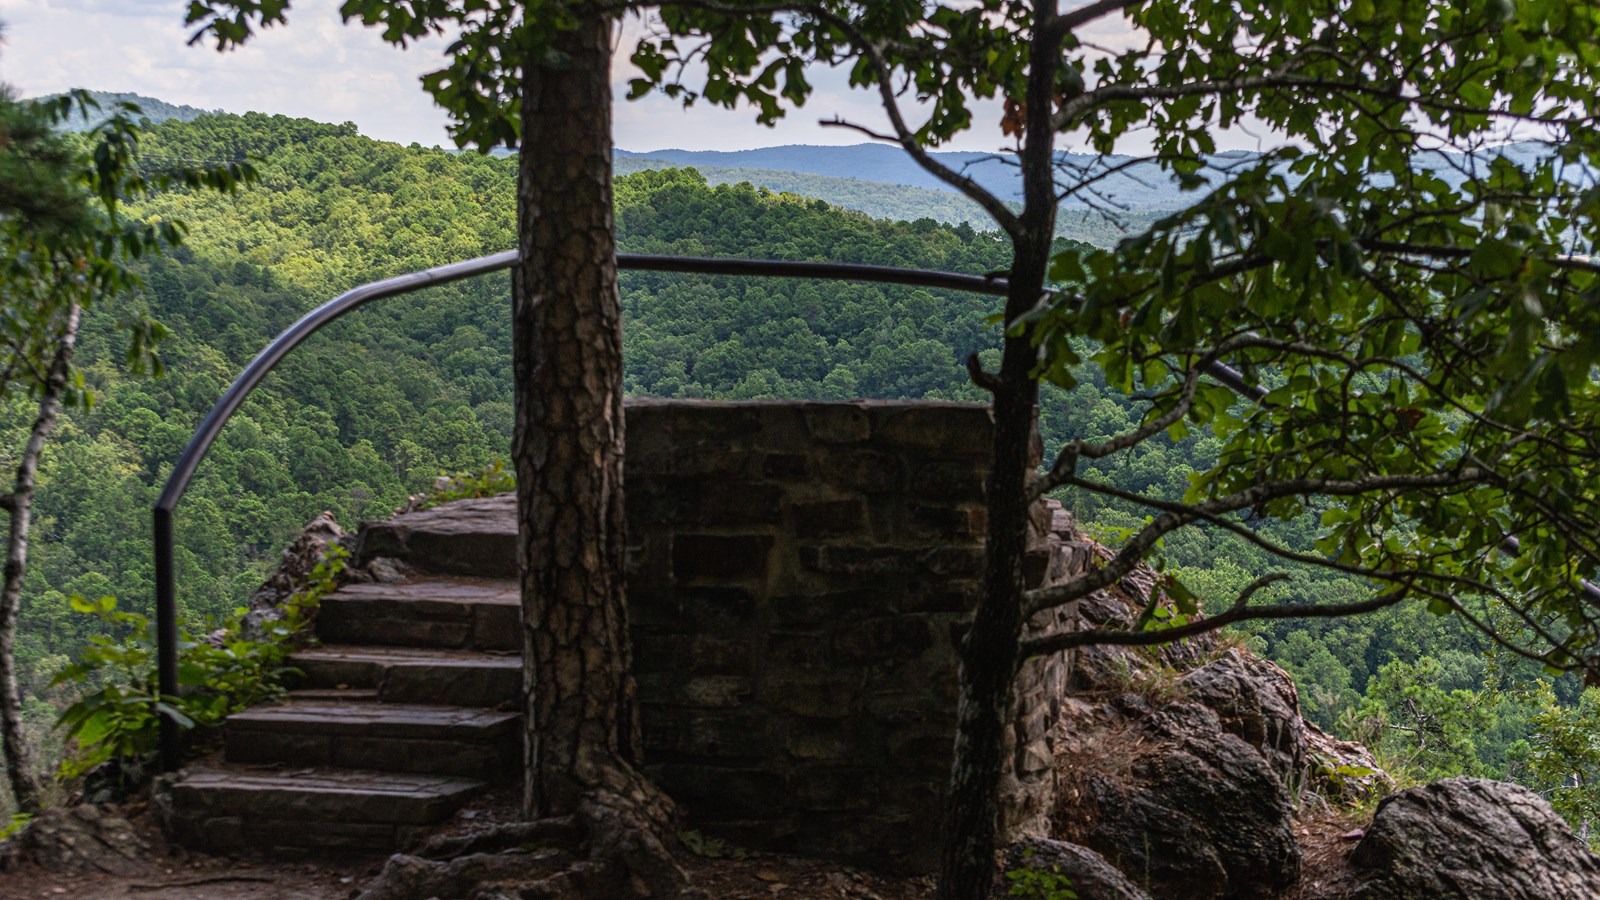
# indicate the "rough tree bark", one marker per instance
pixel 989 653
pixel 582 725
pixel 25 788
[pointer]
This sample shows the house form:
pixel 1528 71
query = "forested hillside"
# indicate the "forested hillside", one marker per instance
pixel 380 404
pixel 390 397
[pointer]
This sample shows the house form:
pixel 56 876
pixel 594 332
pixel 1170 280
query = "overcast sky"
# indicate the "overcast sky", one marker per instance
pixel 319 68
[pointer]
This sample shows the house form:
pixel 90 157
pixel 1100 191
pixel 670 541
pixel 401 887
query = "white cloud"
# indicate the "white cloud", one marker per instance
pixel 320 68
pixel 317 68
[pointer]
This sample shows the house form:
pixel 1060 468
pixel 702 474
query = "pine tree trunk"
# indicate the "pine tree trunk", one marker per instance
pixel 25 788
pixel 581 717
pixel 990 651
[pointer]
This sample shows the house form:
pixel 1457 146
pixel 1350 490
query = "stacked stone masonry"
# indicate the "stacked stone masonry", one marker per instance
pixel 799 576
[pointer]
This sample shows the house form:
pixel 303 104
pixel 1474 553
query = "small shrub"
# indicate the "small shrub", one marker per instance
pixel 467 485
pixel 1039 884
pixel 14 825
pixel 219 673
pixel 711 847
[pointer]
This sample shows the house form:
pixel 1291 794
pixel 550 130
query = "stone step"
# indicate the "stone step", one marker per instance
pixel 343 695
pixel 414 674
pixel 467 537
pixel 316 811
pixel 388 737
pixel 448 613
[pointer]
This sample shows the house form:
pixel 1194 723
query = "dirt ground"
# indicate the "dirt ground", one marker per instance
pixel 1326 841
pixel 213 878
pixel 721 872
pixel 175 874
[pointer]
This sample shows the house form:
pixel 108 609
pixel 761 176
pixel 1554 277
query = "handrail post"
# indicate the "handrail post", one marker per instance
pixel 166 639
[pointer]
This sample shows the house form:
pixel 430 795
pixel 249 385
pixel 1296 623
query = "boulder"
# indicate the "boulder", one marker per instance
pixel 78 840
pixel 1185 806
pixel 1091 877
pixel 1256 702
pixel 1468 837
pixel 1343 771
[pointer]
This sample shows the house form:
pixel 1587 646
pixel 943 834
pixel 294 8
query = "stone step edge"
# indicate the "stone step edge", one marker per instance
pixel 260 792
pixel 477 679
pixel 401 720
pixel 431 589
pixel 403 655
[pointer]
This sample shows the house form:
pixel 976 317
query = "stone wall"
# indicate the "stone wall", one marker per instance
pixel 799 573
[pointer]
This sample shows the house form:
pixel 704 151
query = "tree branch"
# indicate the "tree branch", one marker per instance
pixel 1066 463
pixel 1241 611
pixel 1073 19
pixel 1179 514
pixel 986 380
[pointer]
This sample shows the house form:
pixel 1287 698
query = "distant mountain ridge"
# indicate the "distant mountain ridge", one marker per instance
pixel 1142 187
pixel 882 181
pixel 151 109
pixel 1139 188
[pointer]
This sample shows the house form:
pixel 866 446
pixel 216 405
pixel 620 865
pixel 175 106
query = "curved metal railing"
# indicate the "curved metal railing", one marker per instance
pixel 309 324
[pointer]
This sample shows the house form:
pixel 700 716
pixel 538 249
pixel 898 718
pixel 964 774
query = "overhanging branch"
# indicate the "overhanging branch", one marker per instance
pixel 1241 611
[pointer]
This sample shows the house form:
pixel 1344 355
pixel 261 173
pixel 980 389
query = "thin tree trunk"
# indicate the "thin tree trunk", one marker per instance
pixel 581 715
pixel 989 654
pixel 25 787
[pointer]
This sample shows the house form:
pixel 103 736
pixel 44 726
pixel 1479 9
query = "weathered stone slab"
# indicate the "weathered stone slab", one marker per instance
pixel 316 812
pixel 415 675
pixel 412 720
pixel 468 537
pixel 413 738
pixel 457 613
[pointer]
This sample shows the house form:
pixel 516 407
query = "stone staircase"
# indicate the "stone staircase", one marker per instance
pixel 798 575
pixel 406 709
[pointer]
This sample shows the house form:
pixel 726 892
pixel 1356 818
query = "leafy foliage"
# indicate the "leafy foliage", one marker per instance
pixel 1034 883
pixel 1562 756
pixel 220 672
pixel 467 485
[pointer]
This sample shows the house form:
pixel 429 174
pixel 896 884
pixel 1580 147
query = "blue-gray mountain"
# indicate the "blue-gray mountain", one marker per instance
pixel 1128 184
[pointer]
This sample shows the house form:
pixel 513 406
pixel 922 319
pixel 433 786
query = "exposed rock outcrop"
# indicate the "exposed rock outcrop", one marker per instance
pixel 1257 702
pixel 78 840
pixel 1185 806
pixel 1467 837
pixel 1092 878
pixel 296 568
pixel 1183 766
pixel 307 551
pixel 293 573
pixel 1342 771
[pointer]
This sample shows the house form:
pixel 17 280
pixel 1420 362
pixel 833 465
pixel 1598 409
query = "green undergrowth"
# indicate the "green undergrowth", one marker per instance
pixel 14 824
pixel 708 847
pixel 1039 884
pixel 486 482
pixel 114 726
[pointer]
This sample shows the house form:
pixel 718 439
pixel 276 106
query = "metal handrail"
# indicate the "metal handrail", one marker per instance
pixel 311 322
